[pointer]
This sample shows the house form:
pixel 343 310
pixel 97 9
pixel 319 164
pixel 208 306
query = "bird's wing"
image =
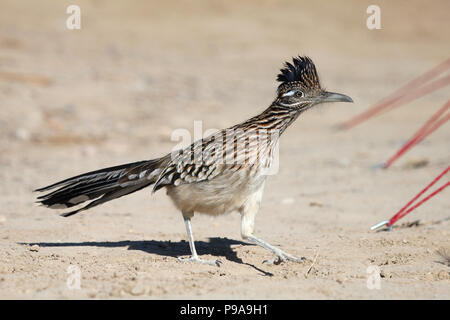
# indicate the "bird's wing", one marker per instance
pixel 195 163
pixel 205 159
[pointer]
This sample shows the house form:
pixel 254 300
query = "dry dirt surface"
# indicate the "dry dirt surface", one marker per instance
pixel 113 92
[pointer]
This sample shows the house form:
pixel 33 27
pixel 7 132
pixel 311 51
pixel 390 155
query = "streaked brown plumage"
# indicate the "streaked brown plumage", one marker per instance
pixel 222 173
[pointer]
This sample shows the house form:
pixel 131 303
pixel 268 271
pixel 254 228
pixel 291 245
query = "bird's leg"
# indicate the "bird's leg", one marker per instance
pixel 280 255
pixel 194 257
pixel 248 213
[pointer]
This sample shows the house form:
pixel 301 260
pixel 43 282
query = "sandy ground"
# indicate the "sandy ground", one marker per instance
pixel 115 91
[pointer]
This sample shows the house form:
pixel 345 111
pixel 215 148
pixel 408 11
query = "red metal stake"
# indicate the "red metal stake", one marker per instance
pixel 404 211
pixel 431 125
pixel 387 102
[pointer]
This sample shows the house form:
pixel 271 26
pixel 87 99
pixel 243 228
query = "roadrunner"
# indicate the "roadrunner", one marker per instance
pixel 221 173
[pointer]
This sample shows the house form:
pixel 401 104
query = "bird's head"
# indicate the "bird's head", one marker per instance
pixel 300 87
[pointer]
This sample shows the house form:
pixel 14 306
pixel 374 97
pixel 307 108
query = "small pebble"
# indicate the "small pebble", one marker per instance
pixel 315 204
pixel 341 279
pixel 34 248
pixel 416 163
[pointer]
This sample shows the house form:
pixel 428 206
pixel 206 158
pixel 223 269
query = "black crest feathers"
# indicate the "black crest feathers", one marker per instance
pixel 301 71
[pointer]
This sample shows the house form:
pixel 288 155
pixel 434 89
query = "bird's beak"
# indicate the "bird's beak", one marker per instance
pixel 334 97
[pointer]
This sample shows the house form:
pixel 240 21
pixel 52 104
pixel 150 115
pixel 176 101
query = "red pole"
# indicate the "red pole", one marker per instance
pixel 431 125
pixel 397 95
pixel 403 211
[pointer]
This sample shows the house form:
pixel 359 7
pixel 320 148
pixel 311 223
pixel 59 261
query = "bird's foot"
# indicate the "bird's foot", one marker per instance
pixel 198 260
pixel 281 256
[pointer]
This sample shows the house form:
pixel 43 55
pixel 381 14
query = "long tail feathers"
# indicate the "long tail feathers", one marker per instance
pixel 100 185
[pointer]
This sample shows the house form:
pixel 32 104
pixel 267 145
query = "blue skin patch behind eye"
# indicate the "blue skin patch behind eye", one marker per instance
pixel 289 93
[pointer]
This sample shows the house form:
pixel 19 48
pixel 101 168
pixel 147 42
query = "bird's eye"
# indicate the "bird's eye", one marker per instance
pixel 298 94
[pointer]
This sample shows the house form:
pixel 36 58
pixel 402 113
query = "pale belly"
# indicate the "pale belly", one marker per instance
pixel 220 195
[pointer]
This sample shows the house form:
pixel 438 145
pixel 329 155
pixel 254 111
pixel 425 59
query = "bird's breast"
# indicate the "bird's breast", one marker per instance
pixel 223 194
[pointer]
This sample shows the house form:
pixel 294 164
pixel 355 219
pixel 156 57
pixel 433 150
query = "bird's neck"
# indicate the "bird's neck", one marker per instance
pixel 276 118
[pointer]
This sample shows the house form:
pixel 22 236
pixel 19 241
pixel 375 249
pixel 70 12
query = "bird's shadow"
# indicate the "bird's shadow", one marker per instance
pixel 215 246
